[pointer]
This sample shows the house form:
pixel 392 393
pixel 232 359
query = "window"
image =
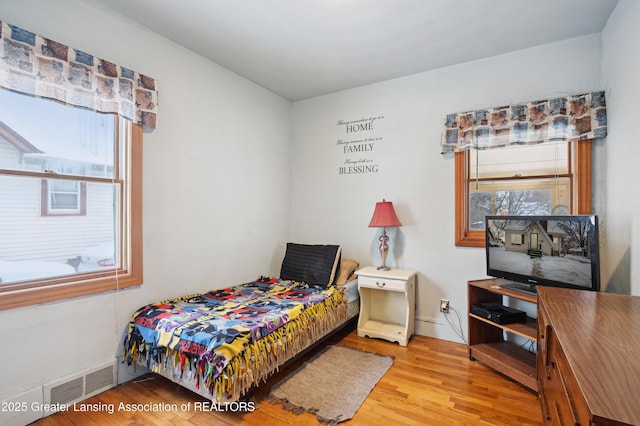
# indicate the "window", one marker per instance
pixel 70 220
pixel 63 197
pixel 549 178
pixel 517 239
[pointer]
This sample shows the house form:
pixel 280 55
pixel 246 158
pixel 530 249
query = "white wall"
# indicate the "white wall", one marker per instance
pixel 335 208
pixel 216 201
pixel 620 69
pixel 217 173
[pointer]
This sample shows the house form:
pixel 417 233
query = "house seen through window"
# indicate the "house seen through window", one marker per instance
pixel 66 190
pixel 540 179
pixel 518 180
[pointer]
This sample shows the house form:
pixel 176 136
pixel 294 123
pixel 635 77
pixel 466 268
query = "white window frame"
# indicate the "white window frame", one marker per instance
pixel 48 194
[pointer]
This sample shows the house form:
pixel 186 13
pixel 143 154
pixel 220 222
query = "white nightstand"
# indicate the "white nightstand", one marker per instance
pixel 387 304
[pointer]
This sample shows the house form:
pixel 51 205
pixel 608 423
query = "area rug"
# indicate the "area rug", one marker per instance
pixel 333 384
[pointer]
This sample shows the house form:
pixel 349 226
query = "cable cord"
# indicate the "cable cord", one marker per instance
pixel 459 331
pixel 531 345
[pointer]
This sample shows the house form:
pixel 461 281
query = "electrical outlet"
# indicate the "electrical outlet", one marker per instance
pixel 444 306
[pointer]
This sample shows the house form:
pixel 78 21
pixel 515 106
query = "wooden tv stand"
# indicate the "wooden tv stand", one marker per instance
pixel 486 338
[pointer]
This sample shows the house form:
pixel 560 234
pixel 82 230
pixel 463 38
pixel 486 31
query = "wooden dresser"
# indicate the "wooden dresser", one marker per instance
pixel 588 363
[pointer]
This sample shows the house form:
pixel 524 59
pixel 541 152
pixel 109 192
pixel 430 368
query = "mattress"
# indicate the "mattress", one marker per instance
pixel 351 290
pixel 266 355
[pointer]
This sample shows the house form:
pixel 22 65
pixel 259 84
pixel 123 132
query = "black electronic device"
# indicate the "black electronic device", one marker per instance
pixel 557 251
pixel 498 313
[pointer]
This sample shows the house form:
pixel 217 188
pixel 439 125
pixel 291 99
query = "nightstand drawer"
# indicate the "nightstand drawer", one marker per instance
pixel 382 283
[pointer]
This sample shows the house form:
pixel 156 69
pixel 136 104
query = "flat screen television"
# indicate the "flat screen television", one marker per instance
pixel 559 251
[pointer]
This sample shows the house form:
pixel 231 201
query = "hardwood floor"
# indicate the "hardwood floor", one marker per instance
pixel 431 382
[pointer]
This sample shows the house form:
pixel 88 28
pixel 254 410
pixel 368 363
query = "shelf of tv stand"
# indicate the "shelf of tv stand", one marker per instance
pixel 486 338
pixel 509 359
pixel 528 329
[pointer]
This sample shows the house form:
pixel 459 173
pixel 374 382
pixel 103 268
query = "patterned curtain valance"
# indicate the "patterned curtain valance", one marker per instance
pixel 37 66
pixel 557 119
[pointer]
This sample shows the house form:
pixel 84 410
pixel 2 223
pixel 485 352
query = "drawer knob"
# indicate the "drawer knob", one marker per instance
pixel 380 284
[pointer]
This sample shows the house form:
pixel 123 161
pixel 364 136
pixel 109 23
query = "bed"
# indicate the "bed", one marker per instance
pixel 225 342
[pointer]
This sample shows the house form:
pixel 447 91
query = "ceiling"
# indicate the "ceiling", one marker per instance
pixel 305 48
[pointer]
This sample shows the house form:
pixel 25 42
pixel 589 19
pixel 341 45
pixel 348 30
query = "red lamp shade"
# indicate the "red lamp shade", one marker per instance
pixel 384 215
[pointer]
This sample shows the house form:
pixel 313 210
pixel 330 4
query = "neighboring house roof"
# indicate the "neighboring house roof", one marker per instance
pixel 17 140
pixel 553 228
pixel 517 225
pixel 523 225
pixel 26 147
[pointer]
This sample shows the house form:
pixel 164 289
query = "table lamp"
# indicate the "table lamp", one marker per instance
pixel 384 216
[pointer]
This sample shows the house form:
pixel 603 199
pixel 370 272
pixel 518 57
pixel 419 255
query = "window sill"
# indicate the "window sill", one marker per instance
pixel 26 294
pixel 471 239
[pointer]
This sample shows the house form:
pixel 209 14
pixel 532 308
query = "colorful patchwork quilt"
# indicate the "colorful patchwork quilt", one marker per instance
pixel 220 335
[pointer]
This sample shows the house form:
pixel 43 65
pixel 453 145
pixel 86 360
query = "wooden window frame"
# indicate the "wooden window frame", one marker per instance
pixel 40 291
pixel 465 237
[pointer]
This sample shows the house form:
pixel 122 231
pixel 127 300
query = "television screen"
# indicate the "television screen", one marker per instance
pixel 560 251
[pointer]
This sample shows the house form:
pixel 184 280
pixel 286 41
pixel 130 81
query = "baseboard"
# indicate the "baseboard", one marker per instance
pixel 430 320
pixel 126 373
pixel 22 409
pixel 438 328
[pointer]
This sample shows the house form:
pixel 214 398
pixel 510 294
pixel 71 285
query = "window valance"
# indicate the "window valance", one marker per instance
pixel 557 119
pixel 37 66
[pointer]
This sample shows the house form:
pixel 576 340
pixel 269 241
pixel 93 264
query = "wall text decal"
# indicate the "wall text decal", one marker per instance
pixel 357 140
